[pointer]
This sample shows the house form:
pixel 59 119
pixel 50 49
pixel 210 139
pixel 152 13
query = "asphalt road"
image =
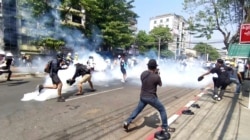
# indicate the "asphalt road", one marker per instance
pixel 93 116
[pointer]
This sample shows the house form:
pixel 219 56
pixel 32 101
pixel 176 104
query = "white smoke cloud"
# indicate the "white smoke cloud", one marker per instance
pixel 171 72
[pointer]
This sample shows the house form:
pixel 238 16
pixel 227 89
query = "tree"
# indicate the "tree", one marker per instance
pixel 205 49
pixel 107 22
pixel 162 36
pixel 211 15
pixel 111 20
pixel 143 41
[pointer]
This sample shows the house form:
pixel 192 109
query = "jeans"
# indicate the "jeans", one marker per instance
pixel 238 85
pixel 154 102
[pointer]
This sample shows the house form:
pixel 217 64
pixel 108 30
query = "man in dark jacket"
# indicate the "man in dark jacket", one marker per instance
pixel 223 79
pixel 56 65
pixel 85 72
pixel 150 79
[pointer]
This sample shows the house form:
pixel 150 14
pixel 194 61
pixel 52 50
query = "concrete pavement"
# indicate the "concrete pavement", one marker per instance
pixel 228 119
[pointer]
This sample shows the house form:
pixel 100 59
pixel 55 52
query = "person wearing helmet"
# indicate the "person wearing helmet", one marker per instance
pixel 56 65
pixel 69 59
pixel 6 68
pixel 2 57
pixel 91 63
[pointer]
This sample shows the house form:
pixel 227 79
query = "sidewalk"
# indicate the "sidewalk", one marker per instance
pixel 228 119
pixel 22 72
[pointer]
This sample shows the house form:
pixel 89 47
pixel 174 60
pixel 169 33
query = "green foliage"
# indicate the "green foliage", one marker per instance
pixel 51 43
pixel 112 18
pixel 167 54
pixel 204 48
pixel 109 20
pixel 210 15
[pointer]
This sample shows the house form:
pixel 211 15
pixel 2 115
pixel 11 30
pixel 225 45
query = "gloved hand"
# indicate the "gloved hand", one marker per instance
pixel 70 82
pixel 200 78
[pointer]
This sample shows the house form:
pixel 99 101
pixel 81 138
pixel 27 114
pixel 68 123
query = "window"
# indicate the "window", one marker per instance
pixel 161 21
pixel 77 19
pixel 155 22
pixel 167 20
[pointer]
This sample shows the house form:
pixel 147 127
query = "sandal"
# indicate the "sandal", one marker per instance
pixel 171 129
pixel 78 94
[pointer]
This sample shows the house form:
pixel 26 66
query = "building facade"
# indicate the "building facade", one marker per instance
pixel 1 25
pixel 177 25
pixel 9 19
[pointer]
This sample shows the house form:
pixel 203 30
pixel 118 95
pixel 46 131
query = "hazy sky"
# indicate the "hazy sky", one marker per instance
pixel 151 8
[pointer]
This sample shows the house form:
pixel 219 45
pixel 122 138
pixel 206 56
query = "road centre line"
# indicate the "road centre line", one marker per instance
pixel 83 96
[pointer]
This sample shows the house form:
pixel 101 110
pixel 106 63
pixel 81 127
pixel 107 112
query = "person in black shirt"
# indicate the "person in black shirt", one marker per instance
pixel 6 69
pixel 85 72
pixel 56 65
pixel 150 79
pixel 223 79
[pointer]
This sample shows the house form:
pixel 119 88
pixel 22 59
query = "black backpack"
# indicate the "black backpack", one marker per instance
pixel 48 67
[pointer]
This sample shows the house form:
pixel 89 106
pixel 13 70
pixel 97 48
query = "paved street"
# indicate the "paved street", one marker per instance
pixel 95 115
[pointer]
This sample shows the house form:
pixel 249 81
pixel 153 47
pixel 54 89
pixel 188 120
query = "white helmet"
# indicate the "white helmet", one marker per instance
pixel 9 54
pixel 2 52
pixel 69 54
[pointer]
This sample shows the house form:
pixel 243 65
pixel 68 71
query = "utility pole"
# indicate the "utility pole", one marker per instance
pixel 159 47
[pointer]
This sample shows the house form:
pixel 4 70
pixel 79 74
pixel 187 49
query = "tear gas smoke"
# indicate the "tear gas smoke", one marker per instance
pixel 171 72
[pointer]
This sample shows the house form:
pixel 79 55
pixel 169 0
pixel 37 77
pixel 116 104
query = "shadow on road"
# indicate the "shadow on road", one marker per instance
pixel 150 121
pixel 13 82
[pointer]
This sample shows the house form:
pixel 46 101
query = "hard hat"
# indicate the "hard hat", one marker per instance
pixel 2 52
pixel 9 54
pixel 59 55
pixel 119 56
pixel 69 54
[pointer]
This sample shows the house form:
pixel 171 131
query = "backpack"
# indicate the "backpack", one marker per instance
pixel 48 67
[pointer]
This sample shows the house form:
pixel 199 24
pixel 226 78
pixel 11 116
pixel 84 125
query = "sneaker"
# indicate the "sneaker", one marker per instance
pixel 219 98
pixel 60 99
pixel 215 97
pixel 40 88
pixel 162 135
pixel 92 90
pixel 125 125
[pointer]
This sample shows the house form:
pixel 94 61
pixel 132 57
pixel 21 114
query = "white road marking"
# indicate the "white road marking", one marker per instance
pixel 83 96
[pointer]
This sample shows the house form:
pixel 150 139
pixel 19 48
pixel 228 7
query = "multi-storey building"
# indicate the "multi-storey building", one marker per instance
pixel 30 29
pixel 9 12
pixel 1 25
pixel 177 24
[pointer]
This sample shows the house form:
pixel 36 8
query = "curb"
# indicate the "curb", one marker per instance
pixel 178 113
pixel 22 75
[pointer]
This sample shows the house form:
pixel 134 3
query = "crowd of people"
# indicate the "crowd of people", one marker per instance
pixel 149 78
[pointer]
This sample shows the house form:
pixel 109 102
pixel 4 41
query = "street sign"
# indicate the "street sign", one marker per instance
pixel 245 33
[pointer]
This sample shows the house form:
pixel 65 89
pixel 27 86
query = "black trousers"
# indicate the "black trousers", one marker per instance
pixel 7 71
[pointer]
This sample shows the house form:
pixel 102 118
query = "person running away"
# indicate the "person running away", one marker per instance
pixel 56 65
